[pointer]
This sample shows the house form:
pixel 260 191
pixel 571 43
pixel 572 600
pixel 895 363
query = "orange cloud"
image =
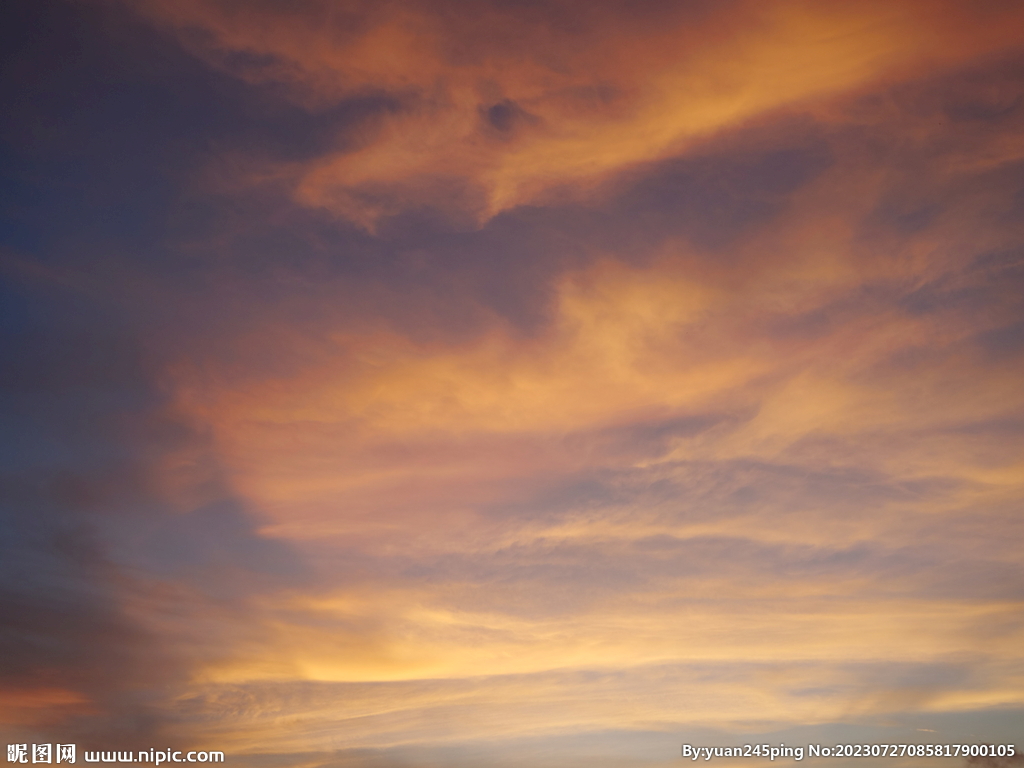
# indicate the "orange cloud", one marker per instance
pixel 773 454
pixel 774 471
pixel 33 707
pixel 778 482
pixel 502 106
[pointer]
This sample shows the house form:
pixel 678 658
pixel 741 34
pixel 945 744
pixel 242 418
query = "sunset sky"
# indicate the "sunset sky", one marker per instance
pixel 447 383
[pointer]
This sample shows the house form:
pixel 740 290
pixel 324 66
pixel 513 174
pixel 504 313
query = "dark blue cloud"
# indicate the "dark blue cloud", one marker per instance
pixel 86 536
pixel 108 121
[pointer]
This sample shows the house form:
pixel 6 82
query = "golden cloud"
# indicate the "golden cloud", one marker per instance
pixel 502 106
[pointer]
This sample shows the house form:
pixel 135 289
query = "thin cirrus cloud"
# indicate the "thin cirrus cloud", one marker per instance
pixel 537 381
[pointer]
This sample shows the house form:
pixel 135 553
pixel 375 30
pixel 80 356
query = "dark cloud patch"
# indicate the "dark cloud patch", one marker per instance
pixel 714 197
pixel 1002 427
pixel 108 123
pixel 85 430
pixel 214 548
pixel 975 96
pixel 72 370
pixel 905 219
pixel 504 116
pixel 986 295
pixel 649 439
pixel 944 143
pixel 1007 340
pixel 64 623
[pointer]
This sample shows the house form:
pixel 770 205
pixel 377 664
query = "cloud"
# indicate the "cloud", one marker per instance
pixel 775 445
pixel 513 103
pixel 653 703
pixel 114 573
pixel 413 386
pixel 996 762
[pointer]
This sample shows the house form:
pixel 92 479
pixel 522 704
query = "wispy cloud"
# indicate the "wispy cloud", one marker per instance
pixel 453 385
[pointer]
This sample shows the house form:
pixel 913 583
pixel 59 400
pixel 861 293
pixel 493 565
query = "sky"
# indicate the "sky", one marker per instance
pixel 424 383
